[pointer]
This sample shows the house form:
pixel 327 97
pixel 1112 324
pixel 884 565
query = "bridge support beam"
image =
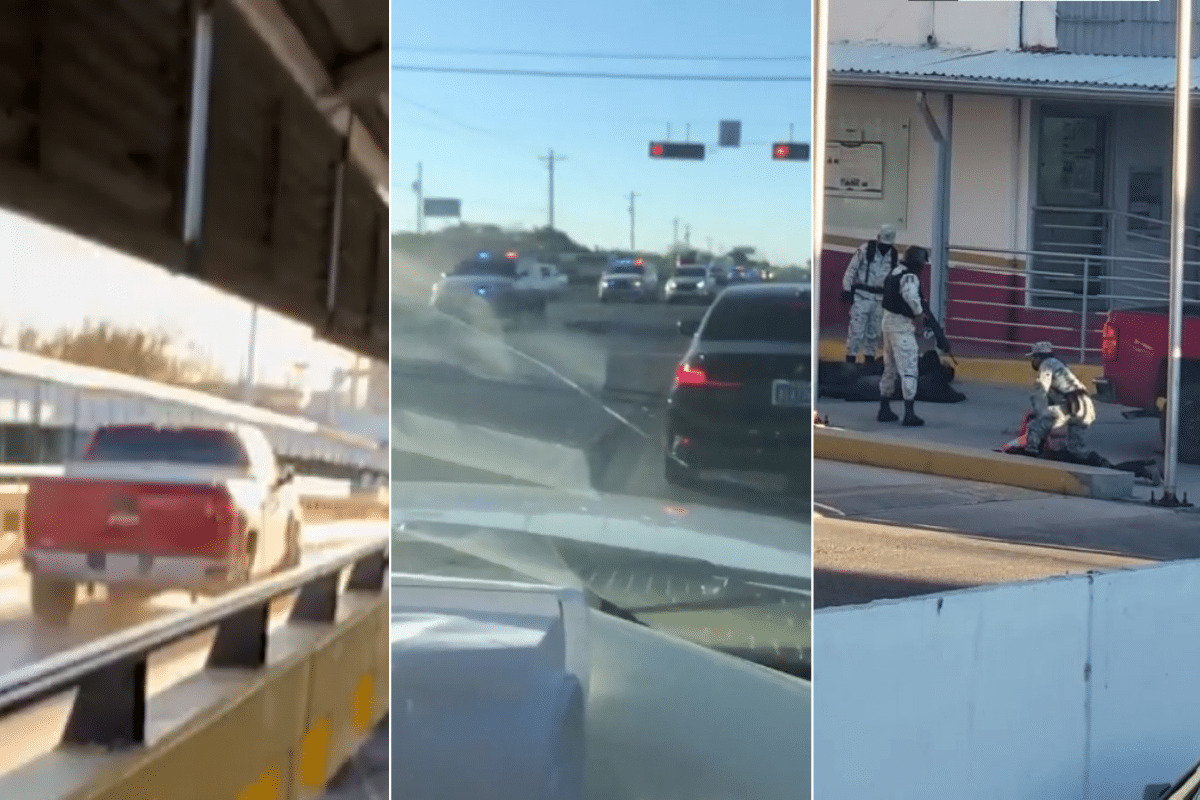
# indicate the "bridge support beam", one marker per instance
pixel 197 158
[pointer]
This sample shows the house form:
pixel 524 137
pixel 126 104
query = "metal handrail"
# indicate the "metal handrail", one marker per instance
pixel 110 673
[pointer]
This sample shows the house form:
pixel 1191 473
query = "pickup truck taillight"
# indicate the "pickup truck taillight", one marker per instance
pixel 1108 343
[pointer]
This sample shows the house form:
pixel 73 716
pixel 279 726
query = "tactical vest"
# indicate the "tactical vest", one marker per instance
pixel 893 301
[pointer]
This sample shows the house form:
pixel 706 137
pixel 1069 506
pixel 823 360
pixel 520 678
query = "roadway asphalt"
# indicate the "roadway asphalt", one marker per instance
pixel 23 641
pixel 592 379
pixel 881 534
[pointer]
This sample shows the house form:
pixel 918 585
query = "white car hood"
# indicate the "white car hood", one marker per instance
pixel 780 547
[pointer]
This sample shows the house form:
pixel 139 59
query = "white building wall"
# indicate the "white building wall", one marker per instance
pixel 991 26
pixel 990 170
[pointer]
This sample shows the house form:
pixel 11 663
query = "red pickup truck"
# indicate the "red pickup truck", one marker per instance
pixel 1134 347
pixel 149 509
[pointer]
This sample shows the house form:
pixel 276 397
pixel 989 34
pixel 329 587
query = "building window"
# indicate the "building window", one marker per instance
pixel 1070 220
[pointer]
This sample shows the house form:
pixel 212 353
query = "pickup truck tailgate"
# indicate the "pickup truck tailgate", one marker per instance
pixel 128 516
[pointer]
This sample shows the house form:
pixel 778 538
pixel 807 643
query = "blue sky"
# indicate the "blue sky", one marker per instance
pixel 480 137
pixel 53 279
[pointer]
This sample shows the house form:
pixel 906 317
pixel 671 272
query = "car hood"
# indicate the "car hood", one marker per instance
pixel 780 547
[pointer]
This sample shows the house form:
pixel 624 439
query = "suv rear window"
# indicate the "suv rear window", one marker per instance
pixel 199 446
pixel 760 318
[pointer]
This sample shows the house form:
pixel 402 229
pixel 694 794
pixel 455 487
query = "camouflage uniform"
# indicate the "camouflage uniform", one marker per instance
pixel 900 349
pixel 867 309
pixel 1059 398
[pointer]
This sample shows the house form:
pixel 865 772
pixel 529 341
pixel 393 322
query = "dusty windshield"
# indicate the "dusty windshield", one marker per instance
pixel 623 145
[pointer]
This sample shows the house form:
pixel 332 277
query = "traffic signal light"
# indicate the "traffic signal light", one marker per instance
pixel 677 150
pixel 790 151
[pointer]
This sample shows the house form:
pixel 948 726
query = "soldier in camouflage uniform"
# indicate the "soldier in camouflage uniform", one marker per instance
pixel 862 290
pixel 1059 398
pixel 902 307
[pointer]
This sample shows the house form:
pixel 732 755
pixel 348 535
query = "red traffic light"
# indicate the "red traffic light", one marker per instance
pixel 688 150
pixel 790 151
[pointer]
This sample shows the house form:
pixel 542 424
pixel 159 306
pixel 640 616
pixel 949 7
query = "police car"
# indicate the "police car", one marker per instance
pixel 489 284
pixel 628 279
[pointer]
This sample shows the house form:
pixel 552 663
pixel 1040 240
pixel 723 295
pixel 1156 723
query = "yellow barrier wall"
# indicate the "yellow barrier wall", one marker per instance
pixel 272 734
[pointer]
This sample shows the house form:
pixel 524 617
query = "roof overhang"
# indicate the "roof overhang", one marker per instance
pixel 1058 76
pixel 333 94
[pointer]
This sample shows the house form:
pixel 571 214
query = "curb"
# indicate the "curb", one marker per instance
pixel 962 463
pixel 1003 371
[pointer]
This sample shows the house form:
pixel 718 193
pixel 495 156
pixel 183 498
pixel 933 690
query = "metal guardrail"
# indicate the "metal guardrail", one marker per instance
pixel 1071 300
pixel 109 710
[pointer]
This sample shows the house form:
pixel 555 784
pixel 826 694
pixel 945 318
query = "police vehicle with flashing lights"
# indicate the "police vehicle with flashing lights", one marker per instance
pixel 491 285
pixel 628 279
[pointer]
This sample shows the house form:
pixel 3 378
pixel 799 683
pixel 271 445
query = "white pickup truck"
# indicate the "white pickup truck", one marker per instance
pixel 544 277
pixel 149 509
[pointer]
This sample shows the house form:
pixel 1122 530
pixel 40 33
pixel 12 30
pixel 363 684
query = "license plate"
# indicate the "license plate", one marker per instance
pixel 790 393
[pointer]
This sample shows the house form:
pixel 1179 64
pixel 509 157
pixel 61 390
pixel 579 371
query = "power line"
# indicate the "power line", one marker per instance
pixel 608 56
pixel 609 75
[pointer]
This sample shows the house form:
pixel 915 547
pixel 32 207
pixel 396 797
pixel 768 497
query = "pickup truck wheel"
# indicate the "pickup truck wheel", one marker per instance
pixel 291 548
pixel 1189 424
pixel 52 599
pixel 242 567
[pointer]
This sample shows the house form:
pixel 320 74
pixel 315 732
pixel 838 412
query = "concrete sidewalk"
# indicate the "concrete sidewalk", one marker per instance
pixel 989 418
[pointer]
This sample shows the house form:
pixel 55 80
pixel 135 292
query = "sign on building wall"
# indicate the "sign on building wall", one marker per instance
pixel 868 183
pixel 854 169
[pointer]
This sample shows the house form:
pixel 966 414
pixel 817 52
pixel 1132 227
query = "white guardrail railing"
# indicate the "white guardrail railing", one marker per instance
pixel 46 393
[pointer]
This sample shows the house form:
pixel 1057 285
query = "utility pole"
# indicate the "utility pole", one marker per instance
pixel 632 248
pixel 675 238
pixel 687 235
pixel 419 187
pixel 550 159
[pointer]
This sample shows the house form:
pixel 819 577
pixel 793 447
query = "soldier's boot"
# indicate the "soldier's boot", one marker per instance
pixel 911 420
pixel 851 359
pixel 885 412
pixel 869 362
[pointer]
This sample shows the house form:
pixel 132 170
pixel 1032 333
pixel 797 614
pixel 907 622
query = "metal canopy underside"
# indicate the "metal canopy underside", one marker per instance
pixel 95 107
pixel 1013 73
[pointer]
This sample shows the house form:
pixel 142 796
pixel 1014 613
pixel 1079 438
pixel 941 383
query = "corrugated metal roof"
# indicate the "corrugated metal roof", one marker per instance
pixel 1142 73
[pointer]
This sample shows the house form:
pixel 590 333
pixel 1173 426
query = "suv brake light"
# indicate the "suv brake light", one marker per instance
pixel 1109 342
pixel 692 375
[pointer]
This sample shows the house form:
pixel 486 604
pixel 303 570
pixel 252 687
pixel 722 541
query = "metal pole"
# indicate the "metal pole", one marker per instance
pixel 1179 192
pixel 820 82
pixel 1087 271
pixel 419 188
pixel 632 248
pixel 197 157
pixel 336 213
pixel 941 219
pixel 251 351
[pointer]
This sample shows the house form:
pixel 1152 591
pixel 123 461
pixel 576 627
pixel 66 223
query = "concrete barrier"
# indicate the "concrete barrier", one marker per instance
pixel 894 452
pixel 476 447
pixel 273 733
pixel 1079 687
